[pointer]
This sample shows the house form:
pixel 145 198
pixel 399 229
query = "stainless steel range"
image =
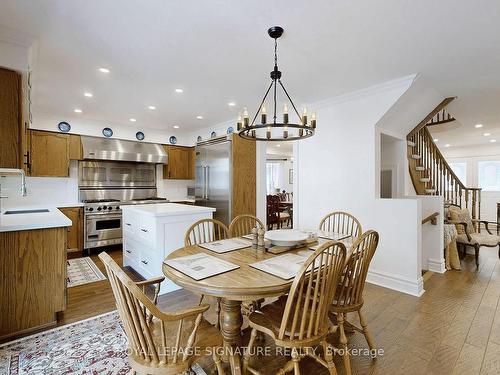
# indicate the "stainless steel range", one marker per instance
pixel 105 186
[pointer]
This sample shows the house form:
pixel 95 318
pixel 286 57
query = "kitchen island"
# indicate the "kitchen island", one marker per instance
pixel 33 269
pixel 152 231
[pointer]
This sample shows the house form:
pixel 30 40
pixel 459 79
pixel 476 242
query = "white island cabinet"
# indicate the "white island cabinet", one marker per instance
pixel 152 231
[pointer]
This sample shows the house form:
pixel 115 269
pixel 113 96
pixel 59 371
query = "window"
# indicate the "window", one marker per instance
pixel 489 175
pixel 274 177
pixel 460 169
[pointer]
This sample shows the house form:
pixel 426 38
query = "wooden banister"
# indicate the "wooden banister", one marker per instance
pixel 430 172
pixel 432 218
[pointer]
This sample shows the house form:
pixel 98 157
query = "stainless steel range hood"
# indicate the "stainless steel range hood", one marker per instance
pixel 96 148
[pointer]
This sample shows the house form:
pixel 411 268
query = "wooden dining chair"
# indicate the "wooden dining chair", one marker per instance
pixel 349 294
pixel 341 222
pixel 243 225
pixel 159 342
pixel 300 321
pixel 203 231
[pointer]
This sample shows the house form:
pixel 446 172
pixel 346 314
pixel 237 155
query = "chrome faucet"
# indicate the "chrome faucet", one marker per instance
pixel 13 171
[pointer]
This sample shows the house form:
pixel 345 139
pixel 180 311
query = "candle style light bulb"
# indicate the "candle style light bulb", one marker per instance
pixel 285 114
pixel 263 112
pixel 268 132
pixel 313 120
pixel 304 116
pixel 245 117
pixel 239 122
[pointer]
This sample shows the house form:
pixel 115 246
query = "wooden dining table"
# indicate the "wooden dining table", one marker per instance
pixel 234 287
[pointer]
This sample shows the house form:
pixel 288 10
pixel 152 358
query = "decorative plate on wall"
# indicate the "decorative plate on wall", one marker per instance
pixel 213 135
pixel 199 139
pixel 173 140
pixel 139 136
pixel 64 126
pixel 230 130
pixel 107 132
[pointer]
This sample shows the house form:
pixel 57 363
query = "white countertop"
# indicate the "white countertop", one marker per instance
pixel 166 209
pixel 176 200
pixel 41 220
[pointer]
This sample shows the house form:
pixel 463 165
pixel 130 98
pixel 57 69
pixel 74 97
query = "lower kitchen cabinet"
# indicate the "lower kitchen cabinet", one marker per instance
pixel 75 232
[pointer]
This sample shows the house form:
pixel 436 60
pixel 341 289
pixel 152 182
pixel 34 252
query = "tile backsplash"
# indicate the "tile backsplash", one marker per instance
pixel 53 191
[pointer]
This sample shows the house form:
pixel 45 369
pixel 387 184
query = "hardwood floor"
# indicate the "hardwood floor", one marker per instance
pixel 454 328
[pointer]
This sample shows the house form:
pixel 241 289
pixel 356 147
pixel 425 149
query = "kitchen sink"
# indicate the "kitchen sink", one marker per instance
pixel 26 211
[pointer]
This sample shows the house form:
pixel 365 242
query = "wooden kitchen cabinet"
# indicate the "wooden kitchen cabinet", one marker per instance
pixel 49 154
pixel 10 118
pixel 180 163
pixel 75 147
pixel 75 231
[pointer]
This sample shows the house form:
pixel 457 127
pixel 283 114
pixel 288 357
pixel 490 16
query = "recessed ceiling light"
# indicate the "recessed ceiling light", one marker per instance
pixel 278 145
pixel 478 126
pixel 132 119
pixel 199 117
pixel 487 134
pixel 493 140
pixel 76 110
pixel 447 145
pixel 88 94
pixel 151 107
pixel 104 70
pixel 436 140
pixel 231 104
pixel 176 126
pixel 179 91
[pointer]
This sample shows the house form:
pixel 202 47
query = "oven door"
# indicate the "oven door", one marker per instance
pixel 103 229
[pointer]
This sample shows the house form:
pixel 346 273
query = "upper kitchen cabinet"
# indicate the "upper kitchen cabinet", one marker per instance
pixel 75 147
pixel 10 118
pixel 49 154
pixel 180 163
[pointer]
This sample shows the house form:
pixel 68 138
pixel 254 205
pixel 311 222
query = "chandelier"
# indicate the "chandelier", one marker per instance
pixel 276 130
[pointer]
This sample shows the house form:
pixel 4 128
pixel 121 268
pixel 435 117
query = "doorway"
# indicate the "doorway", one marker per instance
pixel 279 185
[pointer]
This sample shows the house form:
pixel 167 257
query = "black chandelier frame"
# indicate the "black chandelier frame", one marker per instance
pixel 249 131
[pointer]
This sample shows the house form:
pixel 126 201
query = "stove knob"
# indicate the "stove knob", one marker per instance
pixel 91 209
pixel 117 207
pixel 110 208
pixel 99 208
pixel 104 207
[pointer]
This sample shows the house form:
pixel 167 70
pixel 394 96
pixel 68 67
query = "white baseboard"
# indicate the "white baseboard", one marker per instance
pixel 436 265
pixel 399 283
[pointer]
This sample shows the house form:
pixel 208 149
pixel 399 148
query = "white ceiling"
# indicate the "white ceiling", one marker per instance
pixel 218 51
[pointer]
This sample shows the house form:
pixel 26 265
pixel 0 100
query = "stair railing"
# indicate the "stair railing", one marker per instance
pixel 440 178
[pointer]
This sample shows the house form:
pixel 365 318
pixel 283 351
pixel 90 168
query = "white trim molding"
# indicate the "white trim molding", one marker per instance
pixel 395 282
pixel 436 265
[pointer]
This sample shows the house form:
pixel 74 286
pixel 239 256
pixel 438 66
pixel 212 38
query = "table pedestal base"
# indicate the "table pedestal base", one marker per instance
pixel 231 322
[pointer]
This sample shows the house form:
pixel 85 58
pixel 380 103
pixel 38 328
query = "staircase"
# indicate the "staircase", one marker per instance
pixel 431 174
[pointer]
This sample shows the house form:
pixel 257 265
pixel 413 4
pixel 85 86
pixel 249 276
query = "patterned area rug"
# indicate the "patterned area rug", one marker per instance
pixel 83 271
pixel 92 346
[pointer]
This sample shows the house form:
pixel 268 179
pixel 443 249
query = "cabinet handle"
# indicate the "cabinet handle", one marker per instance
pixel 128 224
pixel 143 261
pixel 144 230
pixel 128 251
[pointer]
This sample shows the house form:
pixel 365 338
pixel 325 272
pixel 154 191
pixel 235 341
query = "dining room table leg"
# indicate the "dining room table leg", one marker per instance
pixel 231 322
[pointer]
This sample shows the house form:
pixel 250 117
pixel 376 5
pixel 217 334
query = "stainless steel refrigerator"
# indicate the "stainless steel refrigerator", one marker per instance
pixel 213 185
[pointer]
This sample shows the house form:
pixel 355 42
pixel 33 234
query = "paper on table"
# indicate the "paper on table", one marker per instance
pixel 200 266
pixel 284 266
pixel 224 246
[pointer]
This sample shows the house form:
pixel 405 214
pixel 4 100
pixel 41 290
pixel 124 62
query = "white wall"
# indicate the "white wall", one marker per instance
pixel 347 149
pixel 393 157
pixel 432 235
